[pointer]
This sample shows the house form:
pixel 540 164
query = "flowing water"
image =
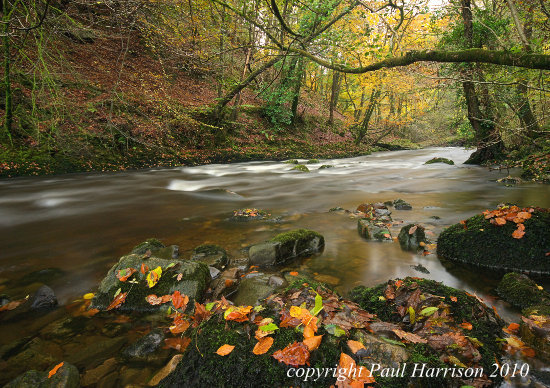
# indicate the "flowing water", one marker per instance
pixel 81 223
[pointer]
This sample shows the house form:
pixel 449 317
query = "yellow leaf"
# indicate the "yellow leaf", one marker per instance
pixel 89 295
pixel 224 350
pixel 295 311
pixel 153 277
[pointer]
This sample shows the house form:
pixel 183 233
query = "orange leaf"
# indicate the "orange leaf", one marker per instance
pixel 90 313
pixel 179 343
pixel 355 346
pixel 55 369
pixel 237 314
pixel 229 282
pixel 153 299
pixel 512 328
pixel 466 325
pixel 453 299
pixel 144 269
pixel 118 301
pixel 313 343
pixel 12 305
pixel 519 232
pixel 361 376
pixel 528 352
pixel 180 324
pixel 308 332
pixel 224 350
pixel 500 221
pixel 263 345
pixel 179 301
pixel 124 274
pixel 398 283
pixel 293 273
pixel 295 354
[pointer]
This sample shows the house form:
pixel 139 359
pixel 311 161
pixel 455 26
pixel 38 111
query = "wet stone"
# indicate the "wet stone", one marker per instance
pixel 149 343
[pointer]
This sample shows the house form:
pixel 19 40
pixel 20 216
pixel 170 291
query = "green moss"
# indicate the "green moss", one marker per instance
pixel 300 167
pixel 325 166
pixel 297 234
pixel 440 160
pixel 312 161
pixel 292 161
pixel 151 244
pixel 486 326
pixel 484 244
pixel 298 283
pixel 522 292
pixel 202 367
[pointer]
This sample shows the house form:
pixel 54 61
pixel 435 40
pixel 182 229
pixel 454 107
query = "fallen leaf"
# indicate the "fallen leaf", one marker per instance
pixel 313 343
pixel 357 378
pixel 466 325
pixel 144 269
pixel 500 221
pixel 153 299
pixel 453 299
pixel 153 277
pixel 124 274
pixel 88 296
pixel 237 314
pixel 179 301
pixel 55 369
pixel 117 301
pixel 293 273
pixel 180 325
pixel 224 350
pixel 413 229
pixel 295 354
pixel 308 332
pixel 263 345
pixel 355 346
pixel 528 352
pixel 411 337
pixel 178 343
pixel 512 328
pixel 13 304
pixel 398 283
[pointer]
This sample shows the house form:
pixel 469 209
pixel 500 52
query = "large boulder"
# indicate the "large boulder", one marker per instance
pixel 411 236
pixel 286 246
pixel 194 279
pixel 500 240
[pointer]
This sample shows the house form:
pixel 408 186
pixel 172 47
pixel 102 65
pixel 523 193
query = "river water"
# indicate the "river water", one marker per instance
pixel 81 223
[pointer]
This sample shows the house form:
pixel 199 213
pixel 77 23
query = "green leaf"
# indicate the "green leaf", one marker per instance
pixel 259 308
pixel 171 265
pixel 335 330
pixel 117 292
pixel 269 327
pixel 475 341
pixel 393 342
pixel 209 306
pixel 412 314
pixel 428 311
pixel 318 305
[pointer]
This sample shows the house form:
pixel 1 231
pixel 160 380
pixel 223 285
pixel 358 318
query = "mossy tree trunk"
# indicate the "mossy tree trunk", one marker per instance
pixel 8 119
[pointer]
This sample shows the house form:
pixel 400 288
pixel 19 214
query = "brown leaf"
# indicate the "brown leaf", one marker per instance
pixel 362 375
pixel 153 299
pixel 55 369
pixel 124 274
pixel 237 314
pixel 466 325
pixel 413 229
pixel 389 293
pixel 263 345
pixel 13 304
pixel 179 301
pixel 118 301
pixel 224 350
pixel 411 337
pixel 180 324
pixel 313 343
pixel 178 343
pixel 519 232
pixel 528 352
pixel 355 346
pixel 500 221
pixel 295 354
pixel 512 328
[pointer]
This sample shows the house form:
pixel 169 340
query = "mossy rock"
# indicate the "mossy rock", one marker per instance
pixel 67 376
pixel 202 367
pixel 400 204
pixel 522 292
pixel 300 167
pixel 312 161
pixel 211 254
pixel 151 244
pixel 325 166
pixel 194 281
pixel 480 243
pixel 411 241
pixel 440 160
pixel 373 230
pixel 291 161
pixel 487 327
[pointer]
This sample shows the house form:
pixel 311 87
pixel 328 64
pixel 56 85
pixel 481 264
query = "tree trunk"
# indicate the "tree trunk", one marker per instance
pixel 335 91
pixel 373 102
pixel 489 143
pixel 8 119
pixel 296 91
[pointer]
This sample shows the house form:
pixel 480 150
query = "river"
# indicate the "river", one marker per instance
pixel 82 223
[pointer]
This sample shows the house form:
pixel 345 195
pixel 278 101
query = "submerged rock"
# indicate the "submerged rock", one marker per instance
pixel 45 276
pixel 143 347
pixel 522 292
pixel 325 166
pixel 411 236
pixel 494 240
pixel 250 214
pixel 535 331
pixel 312 161
pixel 151 244
pixel 400 204
pixel 43 299
pixel 210 254
pixel 373 230
pixel 286 246
pixel 440 160
pixel 67 376
pixel 194 280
